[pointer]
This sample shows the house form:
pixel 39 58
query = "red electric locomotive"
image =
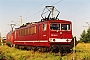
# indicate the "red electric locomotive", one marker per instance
pixel 49 34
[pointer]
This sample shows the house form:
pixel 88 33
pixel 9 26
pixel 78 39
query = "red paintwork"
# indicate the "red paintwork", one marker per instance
pixel 10 38
pixel 40 36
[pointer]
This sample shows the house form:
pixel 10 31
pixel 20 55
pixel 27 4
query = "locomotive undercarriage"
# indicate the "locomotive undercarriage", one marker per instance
pixel 52 48
pixel 61 48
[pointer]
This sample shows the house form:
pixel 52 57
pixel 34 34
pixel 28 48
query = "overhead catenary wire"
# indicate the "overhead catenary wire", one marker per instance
pixel 57 2
pixel 34 14
pixel 42 10
pixel 33 10
pixel 37 7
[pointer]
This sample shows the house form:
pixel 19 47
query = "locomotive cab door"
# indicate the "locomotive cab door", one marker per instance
pixel 39 33
pixel 44 32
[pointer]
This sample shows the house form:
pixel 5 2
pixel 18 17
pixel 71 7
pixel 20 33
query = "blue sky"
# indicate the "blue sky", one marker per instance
pixel 77 11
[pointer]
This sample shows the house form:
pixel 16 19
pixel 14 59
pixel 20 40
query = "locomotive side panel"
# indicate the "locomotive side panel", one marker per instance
pixel 10 38
pixel 61 32
pixel 27 36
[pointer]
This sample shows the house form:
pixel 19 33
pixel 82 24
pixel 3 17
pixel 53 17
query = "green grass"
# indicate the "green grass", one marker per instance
pixel 17 54
pixel 82 52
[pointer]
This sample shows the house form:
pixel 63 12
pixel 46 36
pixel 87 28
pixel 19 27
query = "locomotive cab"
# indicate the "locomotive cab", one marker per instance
pixel 61 33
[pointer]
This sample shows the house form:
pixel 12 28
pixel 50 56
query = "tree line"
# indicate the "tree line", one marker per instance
pixel 85 36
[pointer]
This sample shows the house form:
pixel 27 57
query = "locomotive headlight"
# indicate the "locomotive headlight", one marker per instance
pixel 50 40
pixel 53 40
pixel 57 30
pixel 60 32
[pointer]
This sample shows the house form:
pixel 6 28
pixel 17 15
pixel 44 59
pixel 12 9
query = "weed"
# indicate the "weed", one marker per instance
pixel 82 53
pixel 22 58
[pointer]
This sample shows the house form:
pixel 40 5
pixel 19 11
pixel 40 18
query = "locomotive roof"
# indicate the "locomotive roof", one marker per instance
pixel 34 23
pixel 58 21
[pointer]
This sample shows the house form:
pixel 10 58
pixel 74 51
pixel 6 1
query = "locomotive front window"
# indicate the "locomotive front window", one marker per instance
pixel 54 26
pixel 44 27
pixel 65 26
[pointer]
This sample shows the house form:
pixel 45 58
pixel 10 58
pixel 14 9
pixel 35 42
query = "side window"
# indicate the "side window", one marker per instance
pixel 15 34
pixel 68 26
pixel 33 30
pixel 44 27
pixel 22 32
pixel 18 32
pixel 28 31
pixel 39 28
